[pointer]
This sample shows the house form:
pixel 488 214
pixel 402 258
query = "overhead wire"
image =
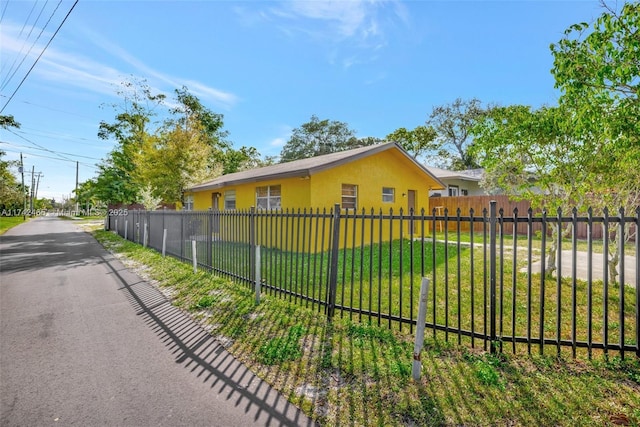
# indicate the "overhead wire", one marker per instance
pixel 54 109
pixel 39 56
pixel 38 145
pixel 9 77
pixel 71 139
pixel 89 165
pixel 3 11
pixel 56 152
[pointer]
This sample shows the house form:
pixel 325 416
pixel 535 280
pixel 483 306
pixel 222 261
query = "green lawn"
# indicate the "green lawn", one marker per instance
pixel 356 373
pixel 384 279
pixel 7 222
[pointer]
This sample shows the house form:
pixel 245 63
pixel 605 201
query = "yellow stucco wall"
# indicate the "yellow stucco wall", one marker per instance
pixel 295 194
pixel 323 190
pixel 386 169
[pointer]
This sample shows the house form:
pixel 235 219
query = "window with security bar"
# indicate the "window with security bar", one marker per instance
pixel 268 197
pixel 230 199
pixel 388 194
pixel 349 196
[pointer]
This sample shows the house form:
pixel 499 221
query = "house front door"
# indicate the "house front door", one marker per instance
pixel 411 206
pixel 215 207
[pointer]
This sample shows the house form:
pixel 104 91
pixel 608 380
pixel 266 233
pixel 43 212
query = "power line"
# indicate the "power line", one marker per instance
pixel 89 165
pixel 6 82
pixel 3 11
pixel 69 138
pixel 37 145
pixel 56 152
pixel 22 30
pixel 39 56
pixel 54 109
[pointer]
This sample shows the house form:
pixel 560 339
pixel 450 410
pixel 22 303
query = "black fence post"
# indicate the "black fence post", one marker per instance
pixel 252 244
pixel 210 238
pixel 621 321
pixel 492 275
pixel 637 281
pixel 333 271
pixel 182 240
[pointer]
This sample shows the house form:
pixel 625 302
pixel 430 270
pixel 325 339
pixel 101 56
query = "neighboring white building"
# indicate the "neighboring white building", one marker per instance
pixel 458 183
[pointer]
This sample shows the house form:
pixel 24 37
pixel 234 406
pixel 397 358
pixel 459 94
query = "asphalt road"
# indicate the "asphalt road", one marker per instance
pixel 85 342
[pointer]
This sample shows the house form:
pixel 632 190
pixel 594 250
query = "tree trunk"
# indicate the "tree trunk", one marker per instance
pixel 614 255
pixel 553 254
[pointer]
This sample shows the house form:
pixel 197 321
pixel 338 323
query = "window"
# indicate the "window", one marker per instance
pixel 349 196
pixel 230 199
pixel 464 192
pixel 268 197
pixel 453 190
pixel 188 203
pixel 388 195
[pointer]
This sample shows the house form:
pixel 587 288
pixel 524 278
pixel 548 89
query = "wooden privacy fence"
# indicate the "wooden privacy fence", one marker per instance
pixel 450 205
pixel 488 285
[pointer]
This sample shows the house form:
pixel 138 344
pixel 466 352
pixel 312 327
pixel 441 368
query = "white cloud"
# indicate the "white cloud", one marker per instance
pixel 80 71
pixel 350 30
pixel 277 142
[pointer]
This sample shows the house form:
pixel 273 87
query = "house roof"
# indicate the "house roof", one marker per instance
pixel 306 167
pixel 466 175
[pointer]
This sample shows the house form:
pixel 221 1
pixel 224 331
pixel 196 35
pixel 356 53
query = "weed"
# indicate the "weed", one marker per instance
pixel 488 374
pixel 363 332
pixel 630 367
pixel 205 302
pixel 281 349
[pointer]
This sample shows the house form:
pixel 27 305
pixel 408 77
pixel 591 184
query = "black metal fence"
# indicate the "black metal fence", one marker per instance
pixel 488 288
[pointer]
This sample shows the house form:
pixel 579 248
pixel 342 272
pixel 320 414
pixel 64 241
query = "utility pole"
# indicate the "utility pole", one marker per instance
pixel 38 185
pixel 77 206
pixel 33 184
pixel 24 194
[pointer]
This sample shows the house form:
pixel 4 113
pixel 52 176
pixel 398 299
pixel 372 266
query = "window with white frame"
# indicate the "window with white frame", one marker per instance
pixel 454 190
pixel 268 197
pixel 230 199
pixel 388 194
pixel 188 203
pixel 349 196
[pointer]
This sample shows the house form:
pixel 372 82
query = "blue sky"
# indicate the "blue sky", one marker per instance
pixel 267 66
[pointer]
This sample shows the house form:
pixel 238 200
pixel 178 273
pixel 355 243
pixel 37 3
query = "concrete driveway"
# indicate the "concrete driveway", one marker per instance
pixel 85 342
pixel 597 267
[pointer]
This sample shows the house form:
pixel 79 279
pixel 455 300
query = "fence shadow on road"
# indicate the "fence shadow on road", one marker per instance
pixel 63 251
pixel 200 352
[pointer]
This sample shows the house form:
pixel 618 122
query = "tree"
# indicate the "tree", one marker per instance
pixel 86 194
pixel 318 137
pixel 11 191
pixel 190 110
pixel 116 181
pixel 417 142
pixel 242 159
pixel 173 160
pixel 597 69
pixel 453 123
pixel 182 149
pixel 11 196
pixel 185 151
pixel 585 152
pixel 8 121
pixel 148 200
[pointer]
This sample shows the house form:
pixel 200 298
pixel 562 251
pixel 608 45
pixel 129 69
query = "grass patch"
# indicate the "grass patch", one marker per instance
pixel 7 222
pixel 280 349
pixel 360 373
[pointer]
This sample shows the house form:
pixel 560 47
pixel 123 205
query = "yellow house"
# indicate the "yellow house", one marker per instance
pixel 380 176
pixel 383 178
